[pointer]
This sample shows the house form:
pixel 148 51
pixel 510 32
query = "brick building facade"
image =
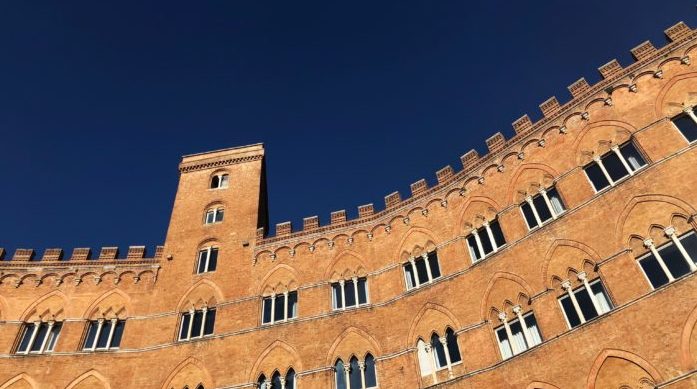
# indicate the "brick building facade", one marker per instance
pixel 565 258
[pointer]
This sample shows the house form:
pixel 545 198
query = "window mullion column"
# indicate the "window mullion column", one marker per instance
pixel 602 167
pixel 479 243
pixel 347 369
pixel 543 192
pixel 273 308
pixel 509 334
pixel 111 333
pixel 490 234
pixel 670 232
pixel 649 244
pixel 691 113
pixel 100 324
pixel 283 382
pixel 32 338
pixel 208 258
pixel 191 323
pixel 48 335
pixel 582 276
pixel 534 210
pixel 444 341
pixel 203 320
pixel 616 150
pixel 285 305
pixel 343 293
pixel 432 355
pixel 428 267
pixel 567 286
pixel 355 289
pixel 519 313
pixel 361 366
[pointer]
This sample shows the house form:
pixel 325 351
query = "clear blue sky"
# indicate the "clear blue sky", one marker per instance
pixel 353 99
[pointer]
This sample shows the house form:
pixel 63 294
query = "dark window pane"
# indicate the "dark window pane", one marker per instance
pixel 474 249
pixel 213 260
pixel 421 270
pixel 91 333
pixel 261 381
pixel 433 264
pixel 266 308
pixel 687 126
pixel 290 379
pixel 215 181
pixel 279 307
pixel 674 260
pixel 104 334
pixel 292 304
pixel 350 289
pixel 118 333
pixel 196 324
pixel 632 155
pixel 596 176
pixel 411 277
pixel 585 303
pixel 439 351
pixel 653 271
pixel 336 295
pixel 340 376
pixel 202 261
pixel 276 381
pixel 186 321
pixel 571 315
pixel 542 208
pixel 355 374
pixel 689 242
pixel 486 242
pixel 498 234
pixel 210 322
pixel 43 329
pixel 362 291
pixel 219 215
pixel 529 215
pixel 53 336
pixel 614 166
pixel 453 348
pixel 26 336
pixel 371 379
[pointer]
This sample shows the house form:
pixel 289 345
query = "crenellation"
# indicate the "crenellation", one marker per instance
pixel 610 68
pixel 81 254
pixel 643 51
pixel 260 234
pixel 522 125
pixel 419 187
pixel 284 229
pixel 469 159
pixel 550 106
pixel 677 31
pixel 392 200
pixel 23 255
pixel 135 252
pixel 579 87
pixel 445 175
pixel 2 254
pixel 109 253
pixel 338 217
pixel 365 211
pixel 159 250
pixel 310 223
pixel 496 143
pixel 52 255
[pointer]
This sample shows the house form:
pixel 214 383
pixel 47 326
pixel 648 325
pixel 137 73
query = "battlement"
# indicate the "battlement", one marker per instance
pixel 554 114
pixel 134 254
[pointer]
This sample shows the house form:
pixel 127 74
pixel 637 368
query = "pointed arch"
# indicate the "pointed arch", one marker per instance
pixel 466 208
pixel 547 176
pixel 553 252
pixel 20 381
pixel 345 260
pixel 626 361
pixel 615 131
pixel 353 335
pixel 541 385
pixel 660 105
pixel 660 200
pixel 406 245
pixel 688 359
pixel 496 279
pixel 117 300
pixel 451 321
pixel 278 350
pixel 182 373
pixel 52 303
pixel 276 276
pixel 89 380
pixel 198 292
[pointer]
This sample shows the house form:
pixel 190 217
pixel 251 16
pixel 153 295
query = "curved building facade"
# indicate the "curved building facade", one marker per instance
pixel 564 258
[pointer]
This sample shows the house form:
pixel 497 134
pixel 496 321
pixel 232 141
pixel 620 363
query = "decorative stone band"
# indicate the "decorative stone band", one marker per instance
pixel 207 164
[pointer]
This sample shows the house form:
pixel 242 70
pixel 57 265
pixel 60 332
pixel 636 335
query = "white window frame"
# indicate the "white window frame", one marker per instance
pixel 287 309
pixel 192 314
pixel 530 201
pixel 585 287
pixel 655 251
pixel 689 111
pixel 215 212
pixel 342 286
pixel 207 250
pixel 223 181
pixel 615 149
pixel 527 336
pixel 489 235
pixel 412 262
pixel 48 342
pixel 100 324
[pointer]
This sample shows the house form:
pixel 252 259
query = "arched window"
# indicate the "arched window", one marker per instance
pixel 261 382
pixel 214 215
pixel 440 353
pixel 290 379
pixel 425 360
pixel 200 386
pixel 453 348
pixel 349 293
pixel 207 259
pixel 485 240
pixel 518 335
pixel 39 337
pixel 671 260
pixel 421 270
pixel 585 302
pixel 220 181
pixel 542 207
pixel 276 380
pixel 104 334
pixel 279 307
pixel 615 165
pixel 357 374
pixel 197 323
